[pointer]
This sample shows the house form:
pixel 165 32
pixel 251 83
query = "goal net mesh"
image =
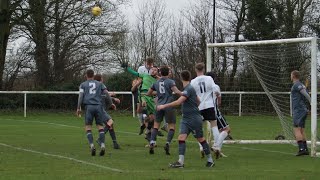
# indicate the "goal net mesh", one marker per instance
pixel 262 73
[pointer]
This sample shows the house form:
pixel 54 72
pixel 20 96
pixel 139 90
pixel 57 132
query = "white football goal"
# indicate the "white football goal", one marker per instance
pixel 266 66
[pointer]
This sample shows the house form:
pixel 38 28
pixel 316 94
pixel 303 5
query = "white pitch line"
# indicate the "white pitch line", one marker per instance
pixel 62 157
pixel 63 125
pixel 255 149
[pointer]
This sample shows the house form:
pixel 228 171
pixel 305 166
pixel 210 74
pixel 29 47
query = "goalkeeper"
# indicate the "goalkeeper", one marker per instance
pixel 300 111
pixel 147 102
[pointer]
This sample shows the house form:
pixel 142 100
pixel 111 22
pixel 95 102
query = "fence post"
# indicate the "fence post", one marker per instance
pixel 25 105
pixel 133 106
pixel 240 102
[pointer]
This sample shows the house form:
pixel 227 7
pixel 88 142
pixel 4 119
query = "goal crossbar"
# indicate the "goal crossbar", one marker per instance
pixel 313 50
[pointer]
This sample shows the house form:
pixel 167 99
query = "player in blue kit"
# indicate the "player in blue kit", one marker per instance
pixel 107 103
pixel 300 112
pixel 191 121
pixel 164 88
pixel 90 95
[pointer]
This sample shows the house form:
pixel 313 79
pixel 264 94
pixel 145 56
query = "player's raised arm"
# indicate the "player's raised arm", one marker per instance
pixel 130 70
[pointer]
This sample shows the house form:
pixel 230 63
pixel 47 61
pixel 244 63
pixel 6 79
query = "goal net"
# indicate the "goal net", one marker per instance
pixel 255 77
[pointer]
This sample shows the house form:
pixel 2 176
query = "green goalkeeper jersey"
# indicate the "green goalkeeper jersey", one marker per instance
pixel 147 80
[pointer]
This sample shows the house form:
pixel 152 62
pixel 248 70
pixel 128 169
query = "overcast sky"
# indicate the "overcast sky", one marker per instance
pixel 171 6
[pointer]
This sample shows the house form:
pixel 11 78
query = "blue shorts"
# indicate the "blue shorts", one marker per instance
pixel 193 126
pixel 105 117
pixel 169 114
pixel 299 119
pixel 93 112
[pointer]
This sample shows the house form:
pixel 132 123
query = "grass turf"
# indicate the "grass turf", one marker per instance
pixel 54 146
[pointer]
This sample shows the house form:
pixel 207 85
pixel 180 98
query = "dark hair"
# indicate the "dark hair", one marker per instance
pixel 296 74
pixel 149 60
pixel 90 73
pixel 97 77
pixel 185 75
pixel 164 71
pixel 213 76
pixel 200 66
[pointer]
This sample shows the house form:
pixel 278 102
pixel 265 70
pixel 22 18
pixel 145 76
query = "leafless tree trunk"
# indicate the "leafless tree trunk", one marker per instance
pixel 4 34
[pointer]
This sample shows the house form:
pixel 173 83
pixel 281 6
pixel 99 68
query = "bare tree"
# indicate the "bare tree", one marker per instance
pixel 66 37
pixel 7 7
pixel 199 16
pixel 151 31
pixel 233 21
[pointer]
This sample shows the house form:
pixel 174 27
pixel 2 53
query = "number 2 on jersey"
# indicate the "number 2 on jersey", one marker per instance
pixel 92 89
pixel 202 86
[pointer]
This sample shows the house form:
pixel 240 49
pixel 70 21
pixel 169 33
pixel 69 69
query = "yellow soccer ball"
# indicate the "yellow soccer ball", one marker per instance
pixel 96 11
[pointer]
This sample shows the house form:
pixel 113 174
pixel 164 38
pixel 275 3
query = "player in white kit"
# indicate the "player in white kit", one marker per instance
pixel 205 88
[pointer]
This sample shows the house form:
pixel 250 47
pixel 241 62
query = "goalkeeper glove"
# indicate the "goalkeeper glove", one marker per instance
pixel 124 65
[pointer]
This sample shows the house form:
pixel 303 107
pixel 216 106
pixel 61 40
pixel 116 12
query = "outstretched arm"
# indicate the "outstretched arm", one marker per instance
pixel 172 104
pixel 133 72
pixel 176 90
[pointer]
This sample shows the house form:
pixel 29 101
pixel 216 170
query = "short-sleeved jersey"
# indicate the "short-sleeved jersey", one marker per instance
pixel 205 87
pixel 92 91
pixel 189 108
pixel 164 93
pixel 143 70
pixel 298 99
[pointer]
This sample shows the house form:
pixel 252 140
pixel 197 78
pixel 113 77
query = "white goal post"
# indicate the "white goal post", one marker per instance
pixel 312 43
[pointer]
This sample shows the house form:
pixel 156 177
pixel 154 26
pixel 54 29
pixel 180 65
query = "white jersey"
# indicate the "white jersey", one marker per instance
pixel 143 70
pixel 205 88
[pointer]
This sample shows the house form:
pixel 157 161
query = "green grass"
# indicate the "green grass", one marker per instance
pixel 51 146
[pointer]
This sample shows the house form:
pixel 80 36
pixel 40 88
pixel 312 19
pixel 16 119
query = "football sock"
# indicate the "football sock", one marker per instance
pixel 170 136
pixel 154 133
pixel 221 137
pixel 113 135
pixel 181 159
pixel 89 136
pixel 182 147
pixel 101 136
pixel 206 150
pixel 300 145
pixel 205 147
pixel 305 145
pixel 215 133
pixel 140 117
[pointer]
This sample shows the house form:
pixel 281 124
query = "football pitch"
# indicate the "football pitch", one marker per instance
pixel 54 146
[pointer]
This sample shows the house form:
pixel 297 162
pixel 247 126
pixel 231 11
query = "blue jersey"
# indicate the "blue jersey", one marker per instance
pixel 164 93
pixel 190 110
pixel 298 99
pixel 92 91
